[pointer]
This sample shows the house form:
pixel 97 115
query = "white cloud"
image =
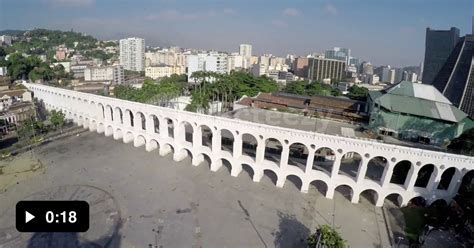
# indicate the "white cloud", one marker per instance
pixel 279 23
pixel 330 9
pixel 290 12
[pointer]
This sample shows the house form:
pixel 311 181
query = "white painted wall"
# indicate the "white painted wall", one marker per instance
pixel 102 114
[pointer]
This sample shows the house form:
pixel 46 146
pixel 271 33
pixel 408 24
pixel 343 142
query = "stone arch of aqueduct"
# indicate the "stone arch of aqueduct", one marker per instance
pixel 306 158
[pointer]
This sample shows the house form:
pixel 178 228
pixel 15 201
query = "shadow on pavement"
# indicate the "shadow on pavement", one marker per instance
pixel 291 233
pixel 72 240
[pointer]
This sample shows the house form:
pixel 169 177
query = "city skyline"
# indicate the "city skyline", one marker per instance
pixel 282 28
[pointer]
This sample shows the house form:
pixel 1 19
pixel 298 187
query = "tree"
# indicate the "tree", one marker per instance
pixel 464 144
pixel 3 53
pixel 58 119
pixel 326 236
pixel 316 88
pixel 358 93
pixel 297 87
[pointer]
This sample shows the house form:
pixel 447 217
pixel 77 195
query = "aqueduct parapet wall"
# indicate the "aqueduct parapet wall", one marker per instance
pixel 325 161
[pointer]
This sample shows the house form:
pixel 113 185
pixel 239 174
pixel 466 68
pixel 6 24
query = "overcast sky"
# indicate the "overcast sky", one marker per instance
pixel 381 31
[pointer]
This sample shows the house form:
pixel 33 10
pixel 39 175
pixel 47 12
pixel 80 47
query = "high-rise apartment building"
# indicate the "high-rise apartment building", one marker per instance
pixel 300 67
pixel 366 68
pixel 132 54
pixel 245 50
pixel 321 68
pixel 456 78
pixel 235 61
pixel 213 62
pixel 438 46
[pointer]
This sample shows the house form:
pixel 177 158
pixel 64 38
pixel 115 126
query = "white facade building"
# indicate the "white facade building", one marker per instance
pixel 157 72
pixel 3 71
pixel 6 40
pixel 114 74
pixel 371 79
pixel 412 77
pixel 246 51
pixel 235 62
pixel 391 76
pixel 259 69
pixel 213 61
pixel 132 54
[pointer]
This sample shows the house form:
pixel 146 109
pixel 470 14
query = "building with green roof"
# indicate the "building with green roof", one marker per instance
pixel 416 112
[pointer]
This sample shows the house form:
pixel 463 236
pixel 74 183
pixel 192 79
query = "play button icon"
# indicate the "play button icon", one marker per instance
pixel 28 217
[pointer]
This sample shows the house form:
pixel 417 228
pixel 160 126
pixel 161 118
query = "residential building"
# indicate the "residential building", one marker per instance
pixel 132 54
pixel 370 79
pixel 254 60
pixel 455 80
pixel 412 77
pixel 61 53
pixel 438 46
pixel 78 67
pixel 416 112
pixel 259 70
pixel 3 71
pixel 235 62
pixel 391 76
pixel 6 40
pixel 246 51
pixel 366 68
pixel 157 72
pixel 11 97
pixel 386 74
pixel 114 74
pixel 213 61
pixel 354 61
pixel 264 59
pixel 161 57
pixel 18 113
pixel 65 64
pixel 290 59
pixel 321 68
pixel 182 59
pixel 300 67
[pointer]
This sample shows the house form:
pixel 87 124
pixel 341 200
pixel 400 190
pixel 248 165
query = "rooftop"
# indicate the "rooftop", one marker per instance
pixel 418 99
pixel 11 93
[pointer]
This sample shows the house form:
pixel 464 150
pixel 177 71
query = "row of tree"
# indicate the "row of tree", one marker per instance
pixel 32 67
pixel 208 87
pixel 316 88
pixel 311 89
pixel 226 88
pixel 152 92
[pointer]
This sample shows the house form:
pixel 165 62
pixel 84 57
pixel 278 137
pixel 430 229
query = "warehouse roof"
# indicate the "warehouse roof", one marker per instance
pixel 418 99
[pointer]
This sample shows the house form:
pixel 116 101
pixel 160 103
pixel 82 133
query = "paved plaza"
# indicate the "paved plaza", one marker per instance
pixel 139 199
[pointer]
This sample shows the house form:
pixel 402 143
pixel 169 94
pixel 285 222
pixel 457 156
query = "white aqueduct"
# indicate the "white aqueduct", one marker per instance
pixel 329 163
